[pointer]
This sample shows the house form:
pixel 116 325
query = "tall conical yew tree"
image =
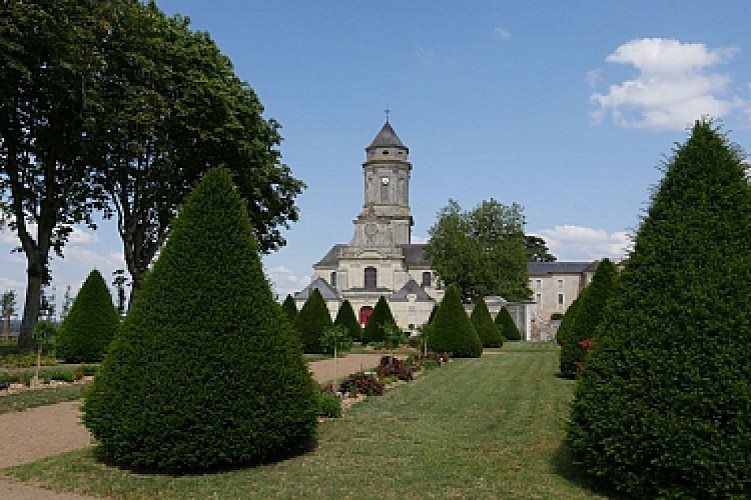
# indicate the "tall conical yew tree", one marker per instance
pixel 662 409
pixel 487 330
pixel 345 317
pixel 452 330
pixel 204 373
pixel 312 321
pixel 506 325
pixel 90 324
pixel 373 331
pixel 290 308
pixel 588 315
pixel 569 318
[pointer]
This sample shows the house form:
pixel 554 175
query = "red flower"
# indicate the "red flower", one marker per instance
pixel 562 341
pixel 586 344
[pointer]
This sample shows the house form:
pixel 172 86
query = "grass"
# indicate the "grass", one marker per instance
pixel 479 428
pixel 40 397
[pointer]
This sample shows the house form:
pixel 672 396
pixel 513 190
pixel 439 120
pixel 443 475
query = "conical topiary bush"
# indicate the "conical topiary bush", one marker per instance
pixel 569 318
pixel 90 324
pixel 506 325
pixel 205 372
pixel 488 331
pixel 662 408
pixel 312 321
pixel 290 308
pixel 345 317
pixel 588 315
pixel 452 330
pixel 373 331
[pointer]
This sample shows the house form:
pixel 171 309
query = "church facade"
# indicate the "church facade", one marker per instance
pixel 382 261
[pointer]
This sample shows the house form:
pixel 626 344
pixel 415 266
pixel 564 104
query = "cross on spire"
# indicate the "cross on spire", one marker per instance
pixel 388 112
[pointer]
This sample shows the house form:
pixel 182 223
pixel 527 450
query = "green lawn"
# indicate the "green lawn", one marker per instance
pixel 481 428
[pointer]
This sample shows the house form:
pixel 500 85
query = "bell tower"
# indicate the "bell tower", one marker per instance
pixel 385 220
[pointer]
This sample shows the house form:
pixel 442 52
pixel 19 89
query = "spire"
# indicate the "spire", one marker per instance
pixel 386 138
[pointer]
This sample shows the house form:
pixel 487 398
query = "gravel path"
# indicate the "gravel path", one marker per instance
pixel 50 430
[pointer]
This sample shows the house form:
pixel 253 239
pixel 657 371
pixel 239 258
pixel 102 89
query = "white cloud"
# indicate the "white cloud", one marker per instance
pixel 503 32
pixel 81 236
pixel 285 281
pixel 423 53
pixel 419 239
pixel 674 86
pixel 593 77
pixel 576 243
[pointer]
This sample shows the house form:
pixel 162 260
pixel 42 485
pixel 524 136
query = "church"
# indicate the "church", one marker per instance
pixel 381 259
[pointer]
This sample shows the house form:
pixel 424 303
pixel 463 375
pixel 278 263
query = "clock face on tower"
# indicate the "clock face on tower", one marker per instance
pixel 385 181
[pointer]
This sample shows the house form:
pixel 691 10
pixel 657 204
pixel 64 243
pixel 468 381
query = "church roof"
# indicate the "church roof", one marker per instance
pixel 410 288
pixel 331 259
pixel 327 291
pixel 543 268
pixel 386 138
pixel 414 256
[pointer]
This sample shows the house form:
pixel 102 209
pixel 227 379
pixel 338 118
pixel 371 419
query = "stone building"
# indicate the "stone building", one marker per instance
pixel 381 259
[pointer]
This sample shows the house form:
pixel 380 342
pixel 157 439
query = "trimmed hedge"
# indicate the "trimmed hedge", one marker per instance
pixel 452 331
pixel 345 317
pixel 506 325
pixel 205 372
pixel 589 314
pixel 311 322
pixel 487 330
pixel 290 308
pixel 662 408
pixel 90 324
pixel 373 331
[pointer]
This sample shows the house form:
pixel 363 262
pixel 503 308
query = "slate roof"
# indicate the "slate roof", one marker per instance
pixel 386 138
pixel 543 268
pixel 331 259
pixel 410 287
pixel 327 291
pixel 414 256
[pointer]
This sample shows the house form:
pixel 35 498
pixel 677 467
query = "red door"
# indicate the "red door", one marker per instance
pixel 365 313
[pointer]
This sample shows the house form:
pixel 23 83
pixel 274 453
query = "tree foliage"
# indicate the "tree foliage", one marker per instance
pixel 90 324
pixel 48 98
pixel 171 108
pixel 374 329
pixel 345 317
pixel 312 321
pixel 662 408
pixel 537 249
pixel 569 318
pixel 589 313
pixel 482 251
pixel 506 325
pixel 205 372
pixel 452 330
pixel 487 330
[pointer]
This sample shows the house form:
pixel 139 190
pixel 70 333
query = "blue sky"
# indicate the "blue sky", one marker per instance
pixel 564 107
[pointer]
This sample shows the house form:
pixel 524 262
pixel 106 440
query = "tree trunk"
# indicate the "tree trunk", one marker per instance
pixel 30 309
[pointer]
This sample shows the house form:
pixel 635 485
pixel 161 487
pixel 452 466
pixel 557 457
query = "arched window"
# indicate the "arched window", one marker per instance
pixel 371 278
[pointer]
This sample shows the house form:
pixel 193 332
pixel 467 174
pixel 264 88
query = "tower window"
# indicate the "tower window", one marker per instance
pixel 371 278
pixel 333 279
pixel 385 152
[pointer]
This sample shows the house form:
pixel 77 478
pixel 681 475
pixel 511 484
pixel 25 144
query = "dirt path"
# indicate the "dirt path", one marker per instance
pixel 49 430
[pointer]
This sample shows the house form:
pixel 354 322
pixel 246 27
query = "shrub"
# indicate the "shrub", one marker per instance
pixel 205 372
pixel 506 325
pixel 452 330
pixel 90 324
pixel 432 313
pixel 329 404
pixel 569 318
pixel 290 309
pixel 345 317
pixel 398 368
pixel 588 316
pixel 362 383
pixel 62 375
pixel 312 321
pixel 381 316
pixel 662 409
pixel 490 335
